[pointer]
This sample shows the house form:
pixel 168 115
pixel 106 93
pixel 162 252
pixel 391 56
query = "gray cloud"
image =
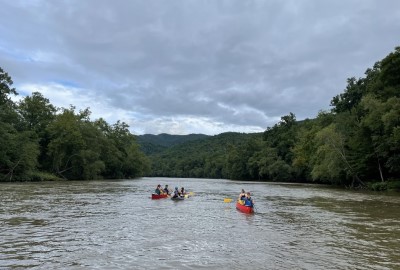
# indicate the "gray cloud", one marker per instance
pixel 195 66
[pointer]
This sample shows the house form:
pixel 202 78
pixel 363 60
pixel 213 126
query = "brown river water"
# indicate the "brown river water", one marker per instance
pixel 115 225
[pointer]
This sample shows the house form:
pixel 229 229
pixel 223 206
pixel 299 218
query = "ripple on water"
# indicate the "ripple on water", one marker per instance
pixel 115 225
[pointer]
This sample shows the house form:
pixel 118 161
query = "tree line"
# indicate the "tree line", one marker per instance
pixel 41 142
pixel 355 144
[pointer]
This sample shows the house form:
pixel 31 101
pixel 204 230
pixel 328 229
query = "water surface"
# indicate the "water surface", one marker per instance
pixel 115 225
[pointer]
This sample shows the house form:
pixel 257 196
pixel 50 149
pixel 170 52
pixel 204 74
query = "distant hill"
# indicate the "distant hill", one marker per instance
pixel 210 144
pixel 152 144
pixel 204 157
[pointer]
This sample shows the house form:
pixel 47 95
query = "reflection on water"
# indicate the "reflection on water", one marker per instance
pixel 115 225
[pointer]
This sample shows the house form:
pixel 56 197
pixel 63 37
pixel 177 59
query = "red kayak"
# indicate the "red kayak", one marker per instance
pixel 244 208
pixel 156 196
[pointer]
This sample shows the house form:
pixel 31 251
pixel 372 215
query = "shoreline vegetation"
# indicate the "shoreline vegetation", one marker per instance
pixel 354 145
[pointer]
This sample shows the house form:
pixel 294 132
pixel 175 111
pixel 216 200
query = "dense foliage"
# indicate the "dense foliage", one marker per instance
pixel 205 157
pixel 151 144
pixel 356 143
pixel 41 142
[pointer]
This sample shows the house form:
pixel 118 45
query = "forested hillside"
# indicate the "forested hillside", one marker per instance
pixel 203 157
pixel 151 144
pixel 355 144
pixel 41 142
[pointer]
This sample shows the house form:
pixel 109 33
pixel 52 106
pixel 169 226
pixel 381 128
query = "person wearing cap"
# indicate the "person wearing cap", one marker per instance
pixel 248 201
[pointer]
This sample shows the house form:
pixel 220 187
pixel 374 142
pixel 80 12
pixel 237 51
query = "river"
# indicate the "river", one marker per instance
pixel 115 225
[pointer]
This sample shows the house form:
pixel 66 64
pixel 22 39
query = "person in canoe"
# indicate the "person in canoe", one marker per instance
pixel 248 201
pixel 159 190
pixel 242 195
pixel 166 190
pixel 176 193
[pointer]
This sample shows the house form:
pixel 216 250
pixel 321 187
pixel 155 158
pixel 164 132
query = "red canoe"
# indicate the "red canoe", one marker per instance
pixel 244 209
pixel 156 196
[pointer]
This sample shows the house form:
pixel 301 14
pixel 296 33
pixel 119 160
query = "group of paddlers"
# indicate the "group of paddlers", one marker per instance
pixel 176 193
pixel 245 199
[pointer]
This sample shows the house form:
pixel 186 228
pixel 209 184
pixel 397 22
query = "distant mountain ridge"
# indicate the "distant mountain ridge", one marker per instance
pixel 152 144
pixel 204 157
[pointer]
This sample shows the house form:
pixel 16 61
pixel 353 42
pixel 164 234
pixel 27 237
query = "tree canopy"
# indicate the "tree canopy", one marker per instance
pixel 41 142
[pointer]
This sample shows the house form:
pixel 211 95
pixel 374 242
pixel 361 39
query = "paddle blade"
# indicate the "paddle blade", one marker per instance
pixel 227 200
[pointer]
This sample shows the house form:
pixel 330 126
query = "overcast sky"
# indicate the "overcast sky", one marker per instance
pixel 181 67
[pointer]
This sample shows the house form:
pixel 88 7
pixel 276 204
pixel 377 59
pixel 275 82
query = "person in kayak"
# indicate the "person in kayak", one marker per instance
pixel 248 201
pixel 166 190
pixel 158 190
pixel 182 191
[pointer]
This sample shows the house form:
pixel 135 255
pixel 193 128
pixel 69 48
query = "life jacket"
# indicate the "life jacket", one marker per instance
pixel 166 190
pixel 157 191
pixel 248 202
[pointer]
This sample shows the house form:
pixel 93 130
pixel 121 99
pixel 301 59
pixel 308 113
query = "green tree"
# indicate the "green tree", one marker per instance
pixel 5 88
pixel 382 121
pixel 18 147
pixel 305 149
pixel 333 163
pixel 351 96
pixel 390 76
pixel 120 152
pixel 37 112
pixel 66 144
pixel 282 136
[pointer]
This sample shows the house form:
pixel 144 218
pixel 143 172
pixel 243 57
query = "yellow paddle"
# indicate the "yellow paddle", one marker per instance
pixel 228 200
pixel 189 194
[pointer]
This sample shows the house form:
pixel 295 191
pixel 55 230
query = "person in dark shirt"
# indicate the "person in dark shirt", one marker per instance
pixel 242 195
pixel 166 190
pixel 176 193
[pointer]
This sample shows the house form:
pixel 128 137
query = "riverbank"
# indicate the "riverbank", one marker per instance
pixel 384 186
